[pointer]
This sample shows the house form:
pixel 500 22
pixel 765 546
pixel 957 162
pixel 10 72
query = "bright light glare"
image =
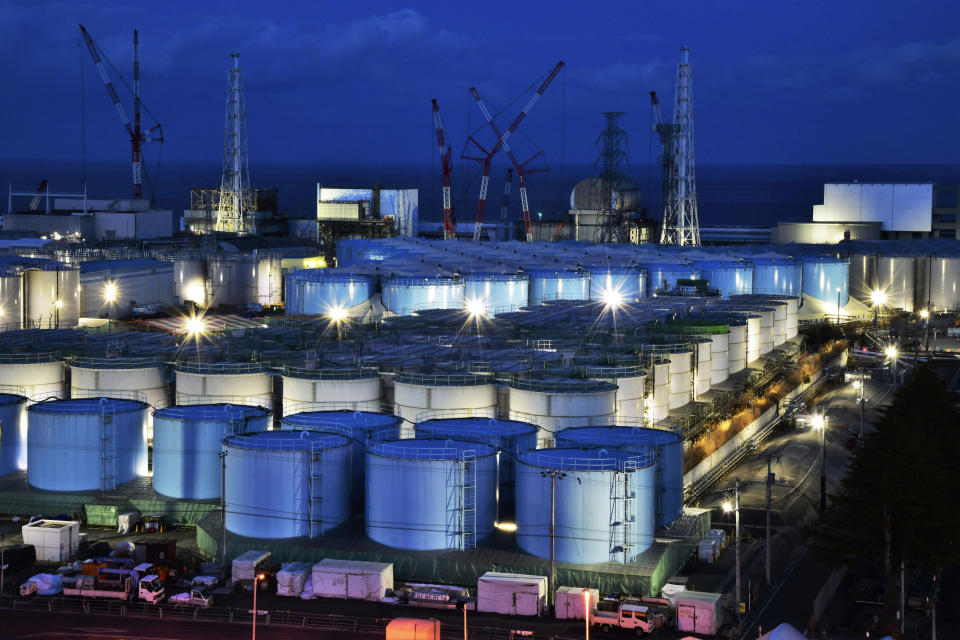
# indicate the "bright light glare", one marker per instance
pixel 612 298
pixel 58 304
pixel 476 307
pixel 924 314
pixel 818 422
pixel 727 507
pixel 195 325
pixel 890 352
pixel 506 526
pixel 110 292
pixel 262 576
pixel 878 298
pixel 337 314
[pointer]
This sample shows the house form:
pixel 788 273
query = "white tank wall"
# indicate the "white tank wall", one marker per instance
pixel 252 389
pixel 11 301
pixel 190 280
pixel 753 339
pixel 737 348
pixel 359 394
pixel 720 357
pixel 704 376
pixel 660 404
pixel 554 411
pixel 765 339
pixel 793 321
pixel 944 283
pixel 38 381
pixel 270 281
pixel 630 397
pixel 779 324
pixel 43 289
pixel 680 378
pixel 418 402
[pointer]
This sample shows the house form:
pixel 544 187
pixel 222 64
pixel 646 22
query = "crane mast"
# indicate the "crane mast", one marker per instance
pixel 449 224
pixel 507 186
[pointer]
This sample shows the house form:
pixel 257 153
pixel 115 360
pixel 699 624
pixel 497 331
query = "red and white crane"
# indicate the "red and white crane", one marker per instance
pixel 137 136
pixel 502 141
pixel 449 224
pixel 507 186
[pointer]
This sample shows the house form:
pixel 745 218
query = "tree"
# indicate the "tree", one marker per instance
pixel 897 502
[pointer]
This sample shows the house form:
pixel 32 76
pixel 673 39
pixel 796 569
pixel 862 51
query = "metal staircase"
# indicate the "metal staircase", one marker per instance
pixel 315 490
pixel 462 502
pixel 622 514
pixel 108 448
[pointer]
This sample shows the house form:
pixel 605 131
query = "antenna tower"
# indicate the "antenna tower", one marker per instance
pixel 681 225
pixel 614 225
pixel 234 209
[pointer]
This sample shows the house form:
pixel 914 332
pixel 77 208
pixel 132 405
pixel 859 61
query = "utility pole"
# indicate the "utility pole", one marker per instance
pixel 554 476
pixel 223 513
pixel 737 524
pixel 823 467
pixel 862 406
pixel 771 478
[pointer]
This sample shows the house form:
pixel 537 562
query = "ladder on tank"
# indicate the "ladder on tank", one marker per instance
pixel 622 514
pixel 108 449
pixel 315 490
pixel 462 501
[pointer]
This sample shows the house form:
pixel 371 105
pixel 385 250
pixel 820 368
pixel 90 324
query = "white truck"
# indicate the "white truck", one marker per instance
pixel 638 617
pixel 129 586
pixel 198 597
pixel 247 566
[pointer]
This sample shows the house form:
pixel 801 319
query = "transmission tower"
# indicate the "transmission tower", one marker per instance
pixel 234 207
pixel 613 224
pixel 680 223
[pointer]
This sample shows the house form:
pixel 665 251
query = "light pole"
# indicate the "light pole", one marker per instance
pixel 256 579
pixel 586 614
pixel 735 507
pixel 3 567
pixel 554 475
pixel 819 422
pixel 862 405
pixel 891 353
pixel 878 298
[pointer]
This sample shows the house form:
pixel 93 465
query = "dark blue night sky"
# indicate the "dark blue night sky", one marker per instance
pixel 351 82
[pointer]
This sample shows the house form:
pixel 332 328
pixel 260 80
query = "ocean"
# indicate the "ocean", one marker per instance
pixel 726 194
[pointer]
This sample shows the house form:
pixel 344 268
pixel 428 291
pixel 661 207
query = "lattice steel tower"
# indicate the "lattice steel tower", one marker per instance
pixel 680 222
pixel 234 207
pixel 613 225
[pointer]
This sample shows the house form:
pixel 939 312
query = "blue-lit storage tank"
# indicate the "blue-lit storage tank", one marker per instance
pixel 496 292
pixel 626 283
pixel 317 291
pixel 824 277
pixel 777 276
pixel 604 503
pixel 729 277
pixel 187 443
pixel 508 437
pixel 86 444
pixel 404 295
pixel 359 426
pixel 430 494
pixel 286 484
pixel 13 433
pixel 669 458
pixel 550 284
pixel 664 276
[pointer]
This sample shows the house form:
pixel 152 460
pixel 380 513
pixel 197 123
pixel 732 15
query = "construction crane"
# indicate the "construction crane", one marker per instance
pixel 137 136
pixel 35 203
pixel 502 141
pixel 449 224
pixel 507 186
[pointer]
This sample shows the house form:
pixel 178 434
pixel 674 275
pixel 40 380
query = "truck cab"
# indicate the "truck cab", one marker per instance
pixel 151 589
pixel 198 597
pixel 640 618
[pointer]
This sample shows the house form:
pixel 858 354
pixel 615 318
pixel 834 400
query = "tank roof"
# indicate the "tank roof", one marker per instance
pixel 572 459
pixel 344 418
pixel 12 398
pixel 571 385
pixel 428 449
pixel 87 406
pixel 618 436
pixel 219 411
pixel 285 440
pixel 91 266
pixel 475 427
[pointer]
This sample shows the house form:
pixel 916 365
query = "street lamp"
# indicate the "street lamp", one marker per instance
pixel 554 475
pixel 586 613
pixel 819 422
pixel 891 353
pixel 337 315
pixel 612 299
pixel 110 292
pixel 878 298
pixel 476 308
pixel 256 579
pixel 735 507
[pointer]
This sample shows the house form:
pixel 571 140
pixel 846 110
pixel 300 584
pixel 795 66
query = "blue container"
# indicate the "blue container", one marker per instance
pixel 405 295
pixel 777 276
pixel 593 489
pixel 418 497
pixel 359 426
pixel 628 283
pixel 730 278
pixel 13 433
pixel 86 444
pixel 664 276
pixel 318 291
pixel 186 446
pixel 508 437
pixel 669 459
pixel 824 276
pixel 550 284
pixel 497 292
pixel 286 484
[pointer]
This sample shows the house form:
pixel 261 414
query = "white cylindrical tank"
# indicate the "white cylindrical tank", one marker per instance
pixel 753 337
pixel 52 296
pixel 681 378
pixel 418 397
pixel 330 389
pixel 226 382
pixel 554 405
pixel 793 321
pixel 779 322
pixel 737 345
pixel 405 295
pixel 84 445
pixel 704 353
pixel 631 382
pixel 13 433
pixel 38 376
pixel 190 280
pixel 270 280
pixel 944 283
pixel 430 494
pixel 896 278
pixel 660 403
pixel 720 355
pixel 133 378
pixel 11 298
pixel 765 336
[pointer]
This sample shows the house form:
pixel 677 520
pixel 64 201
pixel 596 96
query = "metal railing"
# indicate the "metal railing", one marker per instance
pixel 561 386
pixel 219 368
pixel 443 379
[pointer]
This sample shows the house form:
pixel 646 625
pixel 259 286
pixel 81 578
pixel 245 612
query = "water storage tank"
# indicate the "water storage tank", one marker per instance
pixel 39 375
pixel 824 276
pixel 270 280
pixel 703 355
pixel 404 295
pixel 421 396
pixel 186 446
pixel 13 433
pixel 318 291
pixel 623 284
pixel 133 378
pixel 243 383
pixel 664 276
pixel 896 278
pixel 777 276
pixel 863 276
pixel 554 405
pixel 359 426
pixel 631 388
pixel 86 445
pixel 681 378
pixel 660 403
pixel 944 282
pixel 430 494
pixel 604 504
pixel 51 296
pixel 232 280
pixel 330 389
pixel 11 298
pixel 496 292
pixel 286 484
pixel 730 278
pixel 720 356
pixel 737 345
pixel 669 457
pixel 508 437
pixel 547 285
pixel 190 279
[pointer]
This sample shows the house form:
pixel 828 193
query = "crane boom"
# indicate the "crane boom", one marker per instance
pixel 657 117
pixel 449 225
